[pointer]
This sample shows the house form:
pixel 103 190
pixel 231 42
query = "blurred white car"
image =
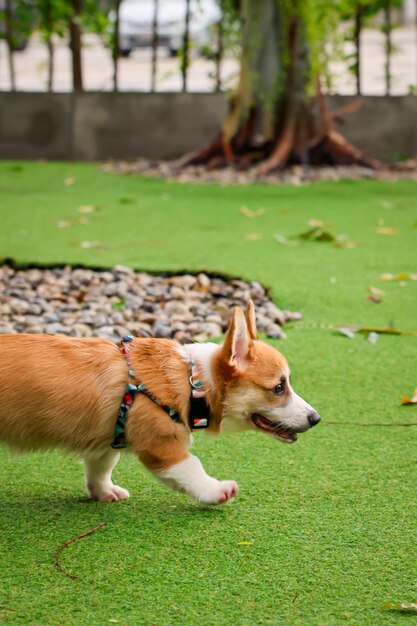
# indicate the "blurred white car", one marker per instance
pixel 136 19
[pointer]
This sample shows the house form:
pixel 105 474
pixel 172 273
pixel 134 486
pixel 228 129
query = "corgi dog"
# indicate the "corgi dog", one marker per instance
pixel 91 397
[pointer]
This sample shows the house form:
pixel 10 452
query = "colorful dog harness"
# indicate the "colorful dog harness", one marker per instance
pixel 199 411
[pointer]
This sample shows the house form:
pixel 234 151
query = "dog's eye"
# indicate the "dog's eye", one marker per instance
pixel 280 388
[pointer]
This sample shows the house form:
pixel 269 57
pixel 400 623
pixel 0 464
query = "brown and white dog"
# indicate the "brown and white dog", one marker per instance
pixel 64 392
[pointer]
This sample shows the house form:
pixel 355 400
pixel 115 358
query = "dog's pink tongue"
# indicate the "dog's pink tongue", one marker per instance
pixel 263 423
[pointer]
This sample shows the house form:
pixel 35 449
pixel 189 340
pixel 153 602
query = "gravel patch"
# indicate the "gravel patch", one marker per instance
pixel 295 175
pixel 89 303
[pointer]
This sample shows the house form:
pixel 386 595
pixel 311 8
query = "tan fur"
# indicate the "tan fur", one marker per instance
pixel 59 392
pixel 64 392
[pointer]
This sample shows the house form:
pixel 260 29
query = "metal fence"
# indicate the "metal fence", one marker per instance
pixel 378 60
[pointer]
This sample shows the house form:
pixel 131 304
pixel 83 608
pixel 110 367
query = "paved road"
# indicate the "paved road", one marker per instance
pixel 135 72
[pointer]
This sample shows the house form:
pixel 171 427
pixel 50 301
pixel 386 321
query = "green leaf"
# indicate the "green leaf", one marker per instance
pixel 117 306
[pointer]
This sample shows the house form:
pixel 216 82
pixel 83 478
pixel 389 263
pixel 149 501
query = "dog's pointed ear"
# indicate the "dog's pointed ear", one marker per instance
pixel 251 320
pixel 237 342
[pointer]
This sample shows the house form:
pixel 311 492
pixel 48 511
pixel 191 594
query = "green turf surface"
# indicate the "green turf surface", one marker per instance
pixel 328 525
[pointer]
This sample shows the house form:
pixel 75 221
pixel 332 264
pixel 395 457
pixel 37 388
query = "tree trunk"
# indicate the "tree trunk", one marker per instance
pixel 75 44
pixel 273 118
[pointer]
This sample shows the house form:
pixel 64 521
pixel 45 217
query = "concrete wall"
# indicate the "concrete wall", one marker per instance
pixel 95 126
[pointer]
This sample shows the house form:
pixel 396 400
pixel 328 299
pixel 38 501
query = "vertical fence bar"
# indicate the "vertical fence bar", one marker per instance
pixel 219 54
pixel 357 42
pixel 49 44
pixel 75 44
pixel 9 42
pixel 185 47
pixel 388 46
pixel 154 45
pixel 116 47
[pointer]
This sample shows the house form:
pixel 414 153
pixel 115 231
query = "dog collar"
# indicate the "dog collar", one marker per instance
pixel 199 415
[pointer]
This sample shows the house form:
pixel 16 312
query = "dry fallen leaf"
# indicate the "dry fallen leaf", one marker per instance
pixel 253 236
pixel 402 607
pixel 285 242
pixel 320 224
pixel 87 208
pixel 407 400
pixel 373 337
pixel 64 223
pixel 402 276
pixel 70 180
pixel 317 234
pixel 248 213
pixel 346 244
pixel 347 332
pixel 89 244
pixel 83 220
pixel 386 230
pixel 375 291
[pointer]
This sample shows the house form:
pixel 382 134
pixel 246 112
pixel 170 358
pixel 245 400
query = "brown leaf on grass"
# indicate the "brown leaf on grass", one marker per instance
pixel 346 244
pixel 347 332
pixel 402 607
pixel 386 230
pixel 64 223
pixel 248 213
pixel 406 400
pixel 89 244
pixel 375 294
pixel 87 208
pixel 320 224
pixel 317 234
pixel 83 220
pixel 401 277
pixel 284 241
pixel 375 291
pixel 69 181
pixel 253 236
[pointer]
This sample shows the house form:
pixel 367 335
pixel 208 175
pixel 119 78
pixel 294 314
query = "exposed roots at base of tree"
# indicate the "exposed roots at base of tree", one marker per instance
pixel 330 149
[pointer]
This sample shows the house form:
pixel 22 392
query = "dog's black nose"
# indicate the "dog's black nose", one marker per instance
pixel 313 418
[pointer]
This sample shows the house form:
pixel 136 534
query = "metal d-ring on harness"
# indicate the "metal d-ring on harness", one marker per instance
pixel 199 411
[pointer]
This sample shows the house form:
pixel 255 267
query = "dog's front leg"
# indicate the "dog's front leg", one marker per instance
pixel 98 469
pixel 188 476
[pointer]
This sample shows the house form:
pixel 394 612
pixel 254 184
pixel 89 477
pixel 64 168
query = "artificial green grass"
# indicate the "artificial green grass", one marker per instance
pixel 322 532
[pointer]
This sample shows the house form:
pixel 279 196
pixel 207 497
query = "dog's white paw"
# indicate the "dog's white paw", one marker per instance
pixel 219 492
pixel 112 493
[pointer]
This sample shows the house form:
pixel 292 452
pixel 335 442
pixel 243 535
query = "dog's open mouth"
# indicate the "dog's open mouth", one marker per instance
pixel 263 423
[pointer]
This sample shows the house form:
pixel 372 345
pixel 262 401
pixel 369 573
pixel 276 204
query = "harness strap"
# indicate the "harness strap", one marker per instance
pixel 199 411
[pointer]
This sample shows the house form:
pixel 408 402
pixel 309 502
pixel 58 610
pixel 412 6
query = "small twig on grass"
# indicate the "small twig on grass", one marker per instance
pixel 370 424
pixel 67 543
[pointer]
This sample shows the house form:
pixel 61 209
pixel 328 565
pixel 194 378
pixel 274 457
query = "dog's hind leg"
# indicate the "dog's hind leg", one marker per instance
pixel 98 469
